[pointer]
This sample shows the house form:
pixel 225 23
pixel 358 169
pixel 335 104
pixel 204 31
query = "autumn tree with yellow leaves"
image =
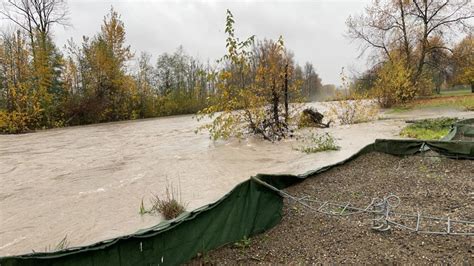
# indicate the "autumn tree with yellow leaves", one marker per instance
pixel 463 62
pixel 22 106
pixel 253 89
pixel 106 77
pixel 412 36
pixel 37 60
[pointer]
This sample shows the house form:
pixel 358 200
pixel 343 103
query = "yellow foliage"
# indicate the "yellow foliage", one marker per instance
pixel 463 56
pixel 23 109
pixel 393 84
pixel 15 122
pixel 250 98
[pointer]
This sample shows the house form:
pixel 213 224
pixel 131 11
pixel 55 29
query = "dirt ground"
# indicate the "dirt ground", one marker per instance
pixel 86 183
pixel 435 186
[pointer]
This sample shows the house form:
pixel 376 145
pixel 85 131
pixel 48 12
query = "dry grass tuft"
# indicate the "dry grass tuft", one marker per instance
pixel 170 207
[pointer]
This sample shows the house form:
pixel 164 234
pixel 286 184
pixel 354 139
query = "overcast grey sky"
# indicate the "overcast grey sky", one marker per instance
pixel 313 30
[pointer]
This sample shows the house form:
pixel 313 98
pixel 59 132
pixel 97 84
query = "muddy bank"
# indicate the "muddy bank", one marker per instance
pixel 88 182
pixel 437 186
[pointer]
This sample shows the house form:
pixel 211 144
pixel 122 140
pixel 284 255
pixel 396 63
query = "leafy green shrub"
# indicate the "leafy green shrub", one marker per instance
pixel 429 129
pixel 318 143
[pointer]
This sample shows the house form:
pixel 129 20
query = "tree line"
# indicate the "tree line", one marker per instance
pixel 101 79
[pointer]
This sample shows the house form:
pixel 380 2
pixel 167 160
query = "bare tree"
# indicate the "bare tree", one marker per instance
pixel 408 27
pixel 35 16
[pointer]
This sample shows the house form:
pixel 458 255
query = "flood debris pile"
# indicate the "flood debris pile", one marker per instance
pixel 311 117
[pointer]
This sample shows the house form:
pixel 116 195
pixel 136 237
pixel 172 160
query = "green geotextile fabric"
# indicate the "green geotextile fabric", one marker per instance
pixel 461 130
pixel 248 209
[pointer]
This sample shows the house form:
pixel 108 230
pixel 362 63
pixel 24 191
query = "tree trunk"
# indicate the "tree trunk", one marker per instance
pixel 286 94
pixel 472 87
pixel 275 105
pixel 405 36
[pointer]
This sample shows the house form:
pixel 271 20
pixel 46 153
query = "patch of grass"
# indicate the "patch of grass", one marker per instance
pixel 204 256
pixel 318 143
pixel 170 206
pixel 458 92
pixel 399 109
pixel 467 103
pixel 63 244
pixel 143 210
pixel 463 102
pixel 429 129
pixel 243 243
pixel 460 102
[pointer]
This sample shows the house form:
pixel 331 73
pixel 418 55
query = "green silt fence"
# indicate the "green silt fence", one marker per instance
pixel 248 209
pixel 462 130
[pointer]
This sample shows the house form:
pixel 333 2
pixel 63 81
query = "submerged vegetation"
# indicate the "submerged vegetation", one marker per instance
pixel 170 206
pixel 429 129
pixel 61 245
pixel 318 142
pixel 354 107
pixel 253 89
pixel 354 111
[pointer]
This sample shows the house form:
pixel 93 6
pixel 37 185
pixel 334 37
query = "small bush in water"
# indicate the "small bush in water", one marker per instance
pixel 353 111
pixel 351 106
pixel 319 142
pixel 170 206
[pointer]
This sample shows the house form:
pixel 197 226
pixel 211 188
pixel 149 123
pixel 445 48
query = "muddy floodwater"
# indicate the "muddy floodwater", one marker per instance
pixel 87 182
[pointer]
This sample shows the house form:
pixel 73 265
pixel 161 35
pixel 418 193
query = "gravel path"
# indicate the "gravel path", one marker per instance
pixel 433 185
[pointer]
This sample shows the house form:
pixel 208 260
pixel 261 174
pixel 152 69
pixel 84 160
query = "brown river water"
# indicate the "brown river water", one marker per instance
pixel 87 182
